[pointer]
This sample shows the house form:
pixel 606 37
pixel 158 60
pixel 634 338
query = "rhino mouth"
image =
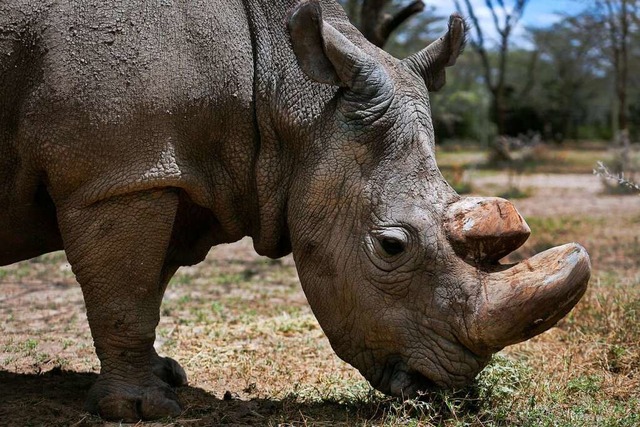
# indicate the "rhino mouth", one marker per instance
pixel 399 380
pixel 416 378
pixel 410 383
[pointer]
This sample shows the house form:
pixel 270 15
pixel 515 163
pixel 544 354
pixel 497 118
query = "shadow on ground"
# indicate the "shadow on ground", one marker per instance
pixel 55 398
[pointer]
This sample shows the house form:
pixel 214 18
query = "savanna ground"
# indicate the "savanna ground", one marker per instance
pixel 255 355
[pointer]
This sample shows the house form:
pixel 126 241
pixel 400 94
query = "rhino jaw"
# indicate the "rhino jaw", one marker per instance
pixel 523 300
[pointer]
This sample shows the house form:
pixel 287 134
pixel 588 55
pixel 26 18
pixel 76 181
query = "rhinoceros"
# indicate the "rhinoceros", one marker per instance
pixel 135 135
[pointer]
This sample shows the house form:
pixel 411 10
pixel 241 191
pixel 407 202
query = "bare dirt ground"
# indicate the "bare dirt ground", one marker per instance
pixel 242 329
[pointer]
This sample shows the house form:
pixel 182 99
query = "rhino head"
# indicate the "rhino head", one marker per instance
pixel 401 272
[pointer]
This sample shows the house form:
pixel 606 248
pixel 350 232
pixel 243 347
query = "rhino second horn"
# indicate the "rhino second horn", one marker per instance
pixel 485 229
pixel 431 61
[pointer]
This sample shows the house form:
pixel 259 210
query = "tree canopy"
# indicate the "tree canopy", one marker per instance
pixel 575 79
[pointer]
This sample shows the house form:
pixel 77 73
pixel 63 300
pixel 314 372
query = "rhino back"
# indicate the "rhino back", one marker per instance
pixel 100 98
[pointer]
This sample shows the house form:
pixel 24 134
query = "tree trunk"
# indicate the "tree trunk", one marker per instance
pixel 619 33
pixel 495 81
pixel 377 25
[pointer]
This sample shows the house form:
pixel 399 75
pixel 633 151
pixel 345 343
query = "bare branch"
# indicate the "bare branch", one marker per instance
pixel 390 23
pixel 494 15
pixel 370 20
pixel 518 10
pixel 495 78
pixel 377 26
pixel 478 43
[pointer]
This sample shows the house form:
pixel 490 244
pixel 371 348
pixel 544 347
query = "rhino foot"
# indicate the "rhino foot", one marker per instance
pixel 120 401
pixel 169 371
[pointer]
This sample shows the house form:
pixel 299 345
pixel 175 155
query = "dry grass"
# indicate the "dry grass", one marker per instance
pixel 241 327
pixel 542 158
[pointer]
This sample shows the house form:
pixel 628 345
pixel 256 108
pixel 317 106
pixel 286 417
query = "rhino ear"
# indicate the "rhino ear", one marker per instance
pixel 305 28
pixel 324 54
pixel 431 61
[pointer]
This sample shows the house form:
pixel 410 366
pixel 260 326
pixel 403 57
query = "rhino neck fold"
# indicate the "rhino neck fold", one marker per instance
pixel 287 108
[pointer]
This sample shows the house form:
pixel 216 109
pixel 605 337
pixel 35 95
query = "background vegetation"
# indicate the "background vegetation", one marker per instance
pixel 562 81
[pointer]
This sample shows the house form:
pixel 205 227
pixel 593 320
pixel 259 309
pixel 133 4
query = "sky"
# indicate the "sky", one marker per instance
pixel 537 13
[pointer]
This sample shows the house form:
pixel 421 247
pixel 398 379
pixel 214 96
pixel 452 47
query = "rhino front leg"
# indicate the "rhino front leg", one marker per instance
pixel 117 249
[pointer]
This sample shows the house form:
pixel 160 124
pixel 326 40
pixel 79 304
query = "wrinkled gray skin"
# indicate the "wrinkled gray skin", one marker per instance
pixel 135 135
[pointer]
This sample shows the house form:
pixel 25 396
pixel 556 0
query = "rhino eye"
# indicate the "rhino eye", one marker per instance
pixel 392 245
pixel 388 246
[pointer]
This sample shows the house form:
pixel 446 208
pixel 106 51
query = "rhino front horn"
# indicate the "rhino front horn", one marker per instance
pixel 525 299
pixel 485 229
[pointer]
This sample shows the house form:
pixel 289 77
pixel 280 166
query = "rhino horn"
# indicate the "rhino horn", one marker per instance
pixel 431 61
pixel 528 298
pixel 485 229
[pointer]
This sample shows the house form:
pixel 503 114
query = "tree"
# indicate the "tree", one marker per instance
pixel 504 19
pixel 377 19
pixel 568 72
pixel 617 18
